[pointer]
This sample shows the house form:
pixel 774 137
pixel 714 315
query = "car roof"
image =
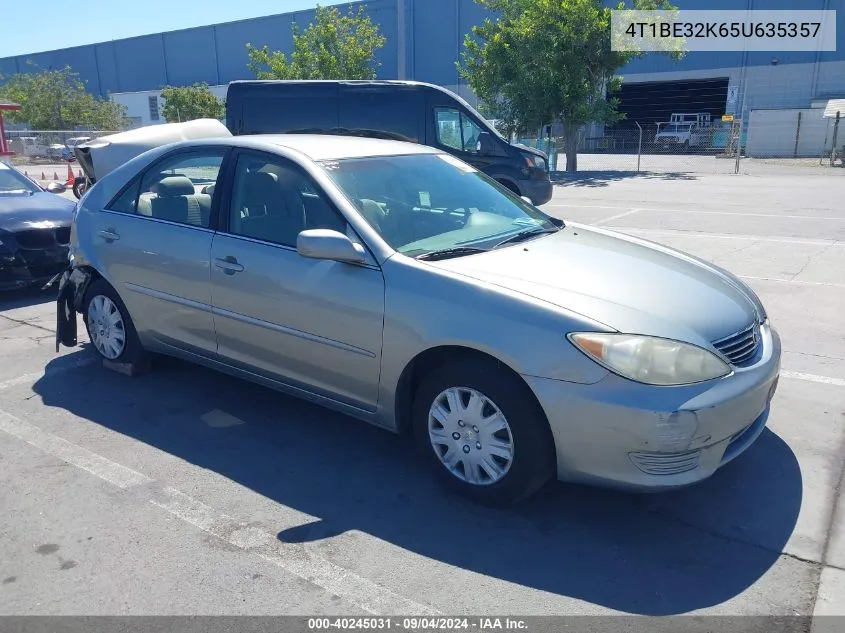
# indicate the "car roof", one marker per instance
pixel 319 147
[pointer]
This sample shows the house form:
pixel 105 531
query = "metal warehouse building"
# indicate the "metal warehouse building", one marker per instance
pixel 424 40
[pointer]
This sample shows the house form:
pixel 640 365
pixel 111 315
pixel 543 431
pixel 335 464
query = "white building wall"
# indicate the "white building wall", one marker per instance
pixel 800 133
pixel 144 112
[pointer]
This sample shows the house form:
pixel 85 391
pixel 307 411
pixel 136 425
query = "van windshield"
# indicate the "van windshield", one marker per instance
pixel 421 203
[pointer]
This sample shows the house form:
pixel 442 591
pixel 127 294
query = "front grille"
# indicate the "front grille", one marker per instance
pixel 35 238
pixel 740 348
pixel 666 463
pixel 63 235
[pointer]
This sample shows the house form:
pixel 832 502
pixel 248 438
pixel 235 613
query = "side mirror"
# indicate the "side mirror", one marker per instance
pixel 56 187
pixel 485 145
pixel 328 244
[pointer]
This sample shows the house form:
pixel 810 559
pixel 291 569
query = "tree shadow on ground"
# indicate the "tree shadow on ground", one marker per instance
pixel 604 178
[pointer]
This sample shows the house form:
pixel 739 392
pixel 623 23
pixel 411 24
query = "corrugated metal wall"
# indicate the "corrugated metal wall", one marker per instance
pixel 433 36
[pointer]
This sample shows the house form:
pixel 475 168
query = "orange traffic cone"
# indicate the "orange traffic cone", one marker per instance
pixel 71 179
pixel 55 176
pixel 43 176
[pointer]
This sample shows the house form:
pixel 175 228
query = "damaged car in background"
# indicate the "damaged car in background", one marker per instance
pixel 100 156
pixel 34 230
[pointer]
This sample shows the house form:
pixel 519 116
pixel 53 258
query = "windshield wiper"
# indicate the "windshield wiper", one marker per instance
pixel 524 235
pixel 446 253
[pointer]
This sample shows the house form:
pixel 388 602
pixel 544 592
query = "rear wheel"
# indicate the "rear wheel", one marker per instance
pixel 482 432
pixel 110 327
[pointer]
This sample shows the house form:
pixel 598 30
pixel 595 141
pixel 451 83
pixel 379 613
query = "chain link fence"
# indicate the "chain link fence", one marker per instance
pixel 47 147
pixel 783 138
pixel 756 119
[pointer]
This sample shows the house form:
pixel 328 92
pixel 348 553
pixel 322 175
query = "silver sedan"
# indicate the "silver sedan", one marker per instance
pixel 403 287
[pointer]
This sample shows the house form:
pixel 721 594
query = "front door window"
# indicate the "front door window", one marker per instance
pixel 456 130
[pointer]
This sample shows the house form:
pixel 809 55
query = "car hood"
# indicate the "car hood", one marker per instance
pixel 531 150
pixel 22 211
pixel 628 284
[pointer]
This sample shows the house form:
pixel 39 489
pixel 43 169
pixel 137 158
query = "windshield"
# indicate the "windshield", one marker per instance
pixel 12 181
pixel 421 203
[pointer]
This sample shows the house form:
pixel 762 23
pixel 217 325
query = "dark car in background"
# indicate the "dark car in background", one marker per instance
pixel 34 230
pixel 410 111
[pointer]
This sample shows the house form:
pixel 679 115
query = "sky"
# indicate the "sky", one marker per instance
pixel 106 20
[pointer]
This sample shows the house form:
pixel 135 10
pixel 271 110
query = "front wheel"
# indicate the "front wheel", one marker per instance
pixel 482 432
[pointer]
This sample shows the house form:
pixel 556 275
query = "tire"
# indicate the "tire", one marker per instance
pixel 102 300
pixel 532 458
pixel 79 187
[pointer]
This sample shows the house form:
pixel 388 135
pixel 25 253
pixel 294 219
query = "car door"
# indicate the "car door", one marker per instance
pixel 153 242
pixel 313 324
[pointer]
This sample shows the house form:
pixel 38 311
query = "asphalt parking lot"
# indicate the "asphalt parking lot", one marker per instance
pixel 186 492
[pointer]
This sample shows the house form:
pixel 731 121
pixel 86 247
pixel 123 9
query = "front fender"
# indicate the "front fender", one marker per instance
pixel 72 288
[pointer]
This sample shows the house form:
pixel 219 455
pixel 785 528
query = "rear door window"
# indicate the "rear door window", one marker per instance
pixel 179 189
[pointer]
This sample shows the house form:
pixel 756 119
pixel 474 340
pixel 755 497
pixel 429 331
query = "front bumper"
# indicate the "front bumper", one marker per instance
pixel 20 269
pixel 622 434
pixel 539 191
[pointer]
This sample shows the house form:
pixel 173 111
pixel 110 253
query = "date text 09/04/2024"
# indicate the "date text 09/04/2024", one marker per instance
pixel 723 29
pixel 418 624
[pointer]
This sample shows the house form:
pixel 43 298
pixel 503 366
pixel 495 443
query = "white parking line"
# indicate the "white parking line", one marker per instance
pixel 700 211
pixel 105 469
pixel 295 558
pixel 30 378
pixel 618 216
pixel 824 380
pixel 725 236
pixel 301 560
pixel 792 281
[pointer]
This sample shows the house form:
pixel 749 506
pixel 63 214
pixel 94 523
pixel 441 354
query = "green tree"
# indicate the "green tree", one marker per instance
pixel 186 103
pixel 541 61
pixel 58 100
pixel 334 46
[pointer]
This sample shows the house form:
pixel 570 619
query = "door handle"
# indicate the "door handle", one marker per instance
pixel 109 235
pixel 228 265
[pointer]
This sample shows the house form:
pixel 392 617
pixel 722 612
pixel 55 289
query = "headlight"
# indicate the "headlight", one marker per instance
pixel 535 161
pixel 651 360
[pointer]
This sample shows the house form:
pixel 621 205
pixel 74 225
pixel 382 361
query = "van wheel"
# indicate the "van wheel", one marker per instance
pixel 507 184
pixel 482 433
pixel 110 327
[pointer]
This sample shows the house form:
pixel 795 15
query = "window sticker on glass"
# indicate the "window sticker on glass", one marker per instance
pixel 425 199
pixel 457 163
